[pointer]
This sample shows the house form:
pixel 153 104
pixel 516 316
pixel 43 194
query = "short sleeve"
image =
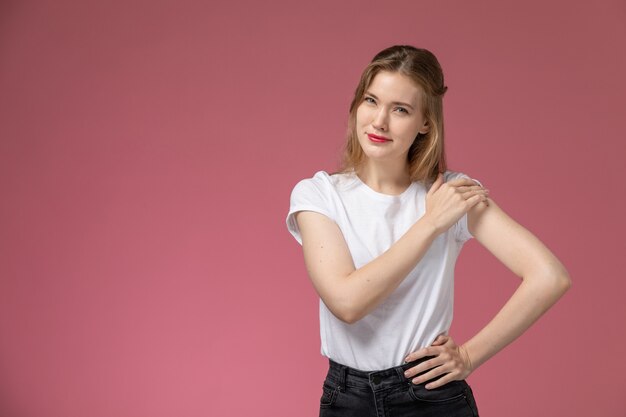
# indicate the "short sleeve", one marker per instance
pixel 312 194
pixel 461 231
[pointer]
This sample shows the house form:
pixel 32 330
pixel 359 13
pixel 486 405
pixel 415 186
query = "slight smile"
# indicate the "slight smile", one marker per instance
pixel 376 138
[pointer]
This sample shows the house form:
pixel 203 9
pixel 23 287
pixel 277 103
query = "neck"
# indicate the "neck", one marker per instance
pixel 385 177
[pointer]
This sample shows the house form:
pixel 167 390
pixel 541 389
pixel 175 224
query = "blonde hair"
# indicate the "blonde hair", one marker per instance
pixel 426 156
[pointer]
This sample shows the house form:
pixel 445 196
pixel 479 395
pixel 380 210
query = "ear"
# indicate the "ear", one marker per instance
pixel 425 128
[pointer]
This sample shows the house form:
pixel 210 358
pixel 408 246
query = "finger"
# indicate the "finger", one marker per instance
pixel 433 373
pixel 449 340
pixel 468 194
pixel 472 201
pixel 423 367
pixel 440 340
pixel 418 354
pixel 436 184
pixel 466 188
pixel 440 382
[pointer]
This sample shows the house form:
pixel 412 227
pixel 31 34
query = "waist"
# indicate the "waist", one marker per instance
pixel 344 375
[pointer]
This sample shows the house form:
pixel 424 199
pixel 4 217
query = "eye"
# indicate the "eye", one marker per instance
pixel 369 98
pixel 403 110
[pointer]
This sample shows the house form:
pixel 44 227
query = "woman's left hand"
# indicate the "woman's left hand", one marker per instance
pixel 449 359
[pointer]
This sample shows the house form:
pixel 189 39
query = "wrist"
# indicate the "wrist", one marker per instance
pixel 429 225
pixel 469 363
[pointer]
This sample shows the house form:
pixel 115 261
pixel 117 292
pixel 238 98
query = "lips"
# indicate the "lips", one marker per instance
pixel 377 138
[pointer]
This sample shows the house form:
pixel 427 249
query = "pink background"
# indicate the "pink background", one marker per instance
pixel 147 154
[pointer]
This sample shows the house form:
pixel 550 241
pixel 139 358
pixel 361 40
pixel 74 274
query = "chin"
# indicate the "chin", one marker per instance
pixel 377 155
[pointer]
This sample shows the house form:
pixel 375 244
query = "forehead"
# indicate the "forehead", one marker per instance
pixel 393 86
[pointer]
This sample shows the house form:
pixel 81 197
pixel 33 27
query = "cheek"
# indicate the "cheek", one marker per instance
pixel 417 126
pixel 361 115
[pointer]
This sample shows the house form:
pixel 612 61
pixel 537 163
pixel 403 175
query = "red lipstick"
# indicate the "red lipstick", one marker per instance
pixel 376 138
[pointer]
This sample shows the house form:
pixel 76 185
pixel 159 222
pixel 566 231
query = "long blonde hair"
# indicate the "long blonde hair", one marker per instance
pixel 426 157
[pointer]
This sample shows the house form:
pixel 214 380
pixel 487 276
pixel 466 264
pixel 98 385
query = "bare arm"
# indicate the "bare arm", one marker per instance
pixel 348 292
pixel 544 281
pixel 352 293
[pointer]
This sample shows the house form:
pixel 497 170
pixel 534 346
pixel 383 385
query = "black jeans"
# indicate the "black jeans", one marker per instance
pixel 388 393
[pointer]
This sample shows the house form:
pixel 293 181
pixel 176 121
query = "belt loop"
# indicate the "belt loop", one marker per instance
pixel 342 377
pixel 400 371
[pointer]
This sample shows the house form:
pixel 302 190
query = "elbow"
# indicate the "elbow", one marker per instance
pixel 557 282
pixel 560 285
pixel 342 306
pixel 349 316
pixel 565 282
pixel 347 306
pixel 346 319
pixel 347 313
pixel 561 280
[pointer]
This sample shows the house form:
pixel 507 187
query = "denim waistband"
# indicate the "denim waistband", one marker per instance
pixel 343 375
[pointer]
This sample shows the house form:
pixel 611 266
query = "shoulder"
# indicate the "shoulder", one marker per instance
pixel 314 194
pixel 322 187
pixel 321 182
pixel 452 175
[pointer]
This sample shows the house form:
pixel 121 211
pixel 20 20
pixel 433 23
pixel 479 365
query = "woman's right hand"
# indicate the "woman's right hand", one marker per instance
pixel 447 202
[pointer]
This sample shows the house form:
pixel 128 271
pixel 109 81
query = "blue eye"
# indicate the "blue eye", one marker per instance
pixel 403 109
pixel 369 98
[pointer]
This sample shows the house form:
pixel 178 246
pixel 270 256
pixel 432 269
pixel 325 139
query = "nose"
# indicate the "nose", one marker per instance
pixel 380 120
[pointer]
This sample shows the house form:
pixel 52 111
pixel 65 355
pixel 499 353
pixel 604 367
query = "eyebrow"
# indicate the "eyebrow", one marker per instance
pixel 395 102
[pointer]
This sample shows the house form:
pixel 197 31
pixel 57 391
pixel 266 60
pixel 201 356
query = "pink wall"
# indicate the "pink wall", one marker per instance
pixel 147 153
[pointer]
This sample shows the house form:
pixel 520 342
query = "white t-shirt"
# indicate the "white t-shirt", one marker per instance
pixel 421 307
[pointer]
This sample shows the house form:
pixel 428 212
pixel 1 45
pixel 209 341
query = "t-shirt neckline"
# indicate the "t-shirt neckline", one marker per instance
pixel 383 196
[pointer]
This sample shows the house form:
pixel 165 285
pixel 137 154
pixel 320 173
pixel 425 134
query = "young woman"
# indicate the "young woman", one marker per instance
pixel 380 241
